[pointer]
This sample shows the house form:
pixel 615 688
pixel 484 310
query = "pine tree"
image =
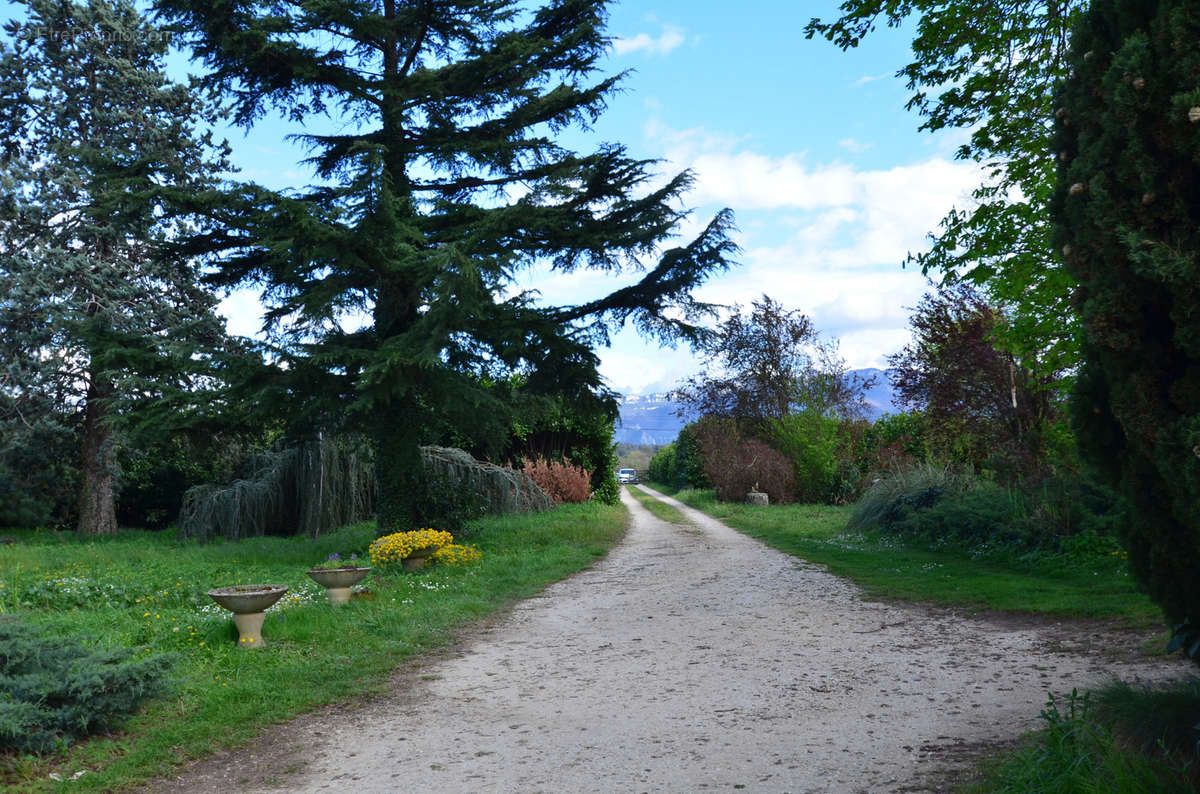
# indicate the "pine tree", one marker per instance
pixel 448 180
pixel 1127 210
pixel 99 149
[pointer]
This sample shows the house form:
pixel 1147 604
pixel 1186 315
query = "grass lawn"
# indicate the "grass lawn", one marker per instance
pixel 984 579
pixel 147 591
pixel 657 508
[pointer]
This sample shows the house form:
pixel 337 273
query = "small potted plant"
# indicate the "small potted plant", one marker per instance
pixel 410 549
pixel 337 576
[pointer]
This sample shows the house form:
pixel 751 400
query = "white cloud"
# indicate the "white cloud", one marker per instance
pixel 870 78
pixel 825 238
pixel 671 38
pixel 855 146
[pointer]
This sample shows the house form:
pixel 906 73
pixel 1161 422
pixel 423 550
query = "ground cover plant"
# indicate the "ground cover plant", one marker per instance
pixel 146 592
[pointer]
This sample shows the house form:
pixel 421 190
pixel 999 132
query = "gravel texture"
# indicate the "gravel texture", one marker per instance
pixel 693 658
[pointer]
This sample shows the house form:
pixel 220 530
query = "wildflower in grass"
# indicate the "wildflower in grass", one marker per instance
pixel 456 556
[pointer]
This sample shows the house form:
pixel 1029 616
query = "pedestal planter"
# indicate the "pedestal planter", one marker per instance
pixel 338 581
pixel 417 560
pixel 247 603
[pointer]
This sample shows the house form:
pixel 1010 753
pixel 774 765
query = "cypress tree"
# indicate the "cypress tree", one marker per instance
pixel 447 180
pixel 1127 213
pixel 96 146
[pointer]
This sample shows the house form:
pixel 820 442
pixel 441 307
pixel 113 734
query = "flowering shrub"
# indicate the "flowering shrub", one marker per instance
pixel 402 545
pixel 564 483
pixel 454 555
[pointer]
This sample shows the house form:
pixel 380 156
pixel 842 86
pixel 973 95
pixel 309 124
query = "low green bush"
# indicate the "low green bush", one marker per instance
pixel 54 689
pixel 1062 514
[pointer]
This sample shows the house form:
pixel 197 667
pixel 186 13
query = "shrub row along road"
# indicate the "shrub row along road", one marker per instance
pixel 693 658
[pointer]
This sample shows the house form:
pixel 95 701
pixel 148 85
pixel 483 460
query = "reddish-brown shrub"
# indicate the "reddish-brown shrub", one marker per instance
pixel 564 483
pixel 738 465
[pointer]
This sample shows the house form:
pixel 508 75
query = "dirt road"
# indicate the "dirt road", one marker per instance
pixel 691 659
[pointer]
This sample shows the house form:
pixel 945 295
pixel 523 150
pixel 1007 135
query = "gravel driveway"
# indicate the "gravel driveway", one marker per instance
pixel 693 658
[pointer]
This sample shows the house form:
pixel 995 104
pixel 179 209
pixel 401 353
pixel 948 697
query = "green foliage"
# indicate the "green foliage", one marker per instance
pixel 54 689
pixel 680 464
pixel 39 472
pixel 101 323
pixel 902 435
pixel 983 407
pixel 1128 226
pixel 1077 752
pixel 989 69
pixel 609 492
pixel 662 466
pixel 157 473
pixel 446 179
pixel 934 503
pixel 303 488
pixel 810 440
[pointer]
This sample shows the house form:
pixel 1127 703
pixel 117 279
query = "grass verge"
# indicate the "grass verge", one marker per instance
pixel 1117 740
pixel 147 591
pixel 981 578
pixel 659 509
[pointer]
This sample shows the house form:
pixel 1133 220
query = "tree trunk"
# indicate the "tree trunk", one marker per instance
pixel 399 470
pixel 97 501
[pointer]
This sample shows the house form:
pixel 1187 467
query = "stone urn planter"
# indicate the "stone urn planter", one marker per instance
pixel 416 561
pixel 247 602
pixel 338 581
pixel 757 498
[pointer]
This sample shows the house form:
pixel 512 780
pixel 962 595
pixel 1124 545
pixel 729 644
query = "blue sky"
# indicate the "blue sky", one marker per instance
pixel 811 147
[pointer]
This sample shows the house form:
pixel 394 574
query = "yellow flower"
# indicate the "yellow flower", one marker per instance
pixel 401 545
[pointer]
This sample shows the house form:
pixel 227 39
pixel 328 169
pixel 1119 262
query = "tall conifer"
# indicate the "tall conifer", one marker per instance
pixel 449 178
pixel 1127 210
pixel 97 148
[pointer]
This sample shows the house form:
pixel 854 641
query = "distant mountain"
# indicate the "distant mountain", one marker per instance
pixel 653 418
pixel 648 419
pixel 879 396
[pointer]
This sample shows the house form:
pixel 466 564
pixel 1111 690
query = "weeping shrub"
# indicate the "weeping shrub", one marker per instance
pixel 307 488
pixel 329 482
pixel 500 489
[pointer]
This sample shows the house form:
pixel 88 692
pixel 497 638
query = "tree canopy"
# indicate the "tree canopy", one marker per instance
pixel 990 69
pixel 447 179
pixel 981 406
pixel 768 363
pixel 95 316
